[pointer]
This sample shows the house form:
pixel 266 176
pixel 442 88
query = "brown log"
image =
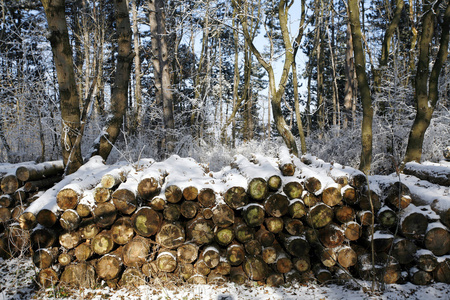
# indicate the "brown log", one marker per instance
pixel 426 261
pixel 253 247
pixel 243 232
pixel 173 194
pixel 320 215
pixel 68 198
pixel 27 220
pixel 296 246
pixel 275 280
pixel 101 194
pixel 157 203
pixel 237 275
pixel 9 184
pixel 200 267
pixel 122 231
pixel 349 195
pixel 103 243
pixel 17 211
pixel 132 277
pixel 108 267
pixel 284 264
pixel 287 169
pixel 42 184
pixel 413 225
pixel 258 189
pixel 46 218
pixel 20 196
pixel 357 180
pixel 223 236
pixel 146 221
pixel 200 231
pixel 365 199
pixel 64 259
pixel 166 261
pixel 398 196
pixel 45 257
pixel 70 220
pixel 88 228
pixel 47 278
pixel 83 251
pixel 197 279
pixel 346 256
pixel 344 214
pixel 442 211
pixel 352 231
pixel 442 271
pixel 135 253
pixel 404 251
pixel 274 183
pixel 7 201
pixel 125 200
pixel 386 217
pixel 420 277
pixel 321 274
pixel 39 171
pixel 113 179
pixel 43 238
pixel 235 254
pixel 365 217
pixel 187 253
pixel 81 274
pixel 70 240
pixel 310 199
pixel 269 255
pixel 206 197
pixel 297 209
pixel 172 212
pixel 274 225
pixel 83 210
pixel 211 256
pixel 293 190
pixel 223 267
pixel 5 214
pixel 293 226
pixel 265 237
pixel 255 268
pixel 171 235
pixel 189 209
pixel 302 264
pixel 328 257
pixel 382 239
pixel 312 236
pixel 253 214
pixel 185 271
pixel 223 215
pixel 215 278
pixel 190 193
pixel 148 188
pixel 206 213
pixel 332 196
pixel 236 197
pixel 276 205
pixel 105 214
pixel 313 185
pixel 437 239
pixel 331 236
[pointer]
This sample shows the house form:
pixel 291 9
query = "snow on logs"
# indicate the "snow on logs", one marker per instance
pixel 261 219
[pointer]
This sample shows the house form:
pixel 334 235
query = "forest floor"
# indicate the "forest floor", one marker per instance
pixel 18 274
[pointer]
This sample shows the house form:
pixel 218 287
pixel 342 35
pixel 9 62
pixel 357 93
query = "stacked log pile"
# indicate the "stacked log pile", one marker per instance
pixel 266 220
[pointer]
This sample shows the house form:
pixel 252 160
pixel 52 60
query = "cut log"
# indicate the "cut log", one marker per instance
pixel 79 275
pixel 310 199
pixel 64 259
pixel 173 194
pixel 45 257
pixel 7 201
pixel 413 224
pixel 105 214
pixel 357 180
pixel 185 271
pixel 70 220
pixel 132 278
pixel 5 215
pixel 296 246
pixel 386 217
pixel 269 255
pixel 420 277
pixel 114 178
pixel 235 254
pixel 255 268
pixel 103 243
pixel 200 267
pixel 319 216
pixel 190 193
pixel 83 251
pixel 108 267
pixel 27 220
pixel 275 280
pixel 211 256
pixel 437 239
pixel 442 271
pixel 237 275
pixel 349 195
pixel 189 209
pixel 382 239
pixel 47 278
pixel 404 251
pixel 102 194
pixel 365 217
pixel 425 260
pixel 166 261
pixel 293 190
pixel 313 185
pixel 135 253
pixel 37 185
pixel 236 197
pixel 20 196
pixel 171 235
pixel 274 225
pixel 276 205
pixel 293 226
pixel 332 196
pixel 83 210
pixel 258 189
pixel 322 274
pixel 124 199
pixel 206 197
pixel 224 236
pixel 369 198
pixel 243 232
pixel 70 240
pixel 328 257
pixel 346 256
pixel 398 196
pixel 157 203
pixel 122 231
pixel 274 183
pixel 172 212
pixel 344 214
pixel 331 236
pixel 253 215
pixel 197 279
pixel 287 168
pixel 88 228
pixel 39 171
pixel 436 174
pixel 223 215
pixel 200 231
pixel 215 278
pixel 43 238
pixel 302 264
pixel 223 267
pixel 441 208
pixel 148 188
pixel 265 237
pixel 297 209
pixel 284 264
pixel 253 247
pixel 9 184
pixel 146 221
pixel 187 253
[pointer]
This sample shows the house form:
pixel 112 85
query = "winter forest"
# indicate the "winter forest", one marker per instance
pixel 362 83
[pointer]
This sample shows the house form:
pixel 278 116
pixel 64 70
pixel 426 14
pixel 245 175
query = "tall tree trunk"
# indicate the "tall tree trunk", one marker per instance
pixel 137 68
pixel 161 69
pixel 363 86
pixel 349 83
pixel 426 85
pixel 69 98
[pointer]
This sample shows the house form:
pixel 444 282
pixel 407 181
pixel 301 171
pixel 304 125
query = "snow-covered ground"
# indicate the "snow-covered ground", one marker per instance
pixel 17 283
